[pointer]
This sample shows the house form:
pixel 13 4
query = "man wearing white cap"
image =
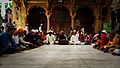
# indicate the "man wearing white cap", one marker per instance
pixel 104 31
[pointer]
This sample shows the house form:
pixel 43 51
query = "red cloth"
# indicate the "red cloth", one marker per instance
pixel 103 39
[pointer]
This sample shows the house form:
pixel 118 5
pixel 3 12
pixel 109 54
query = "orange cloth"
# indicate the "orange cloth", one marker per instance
pixel 20 30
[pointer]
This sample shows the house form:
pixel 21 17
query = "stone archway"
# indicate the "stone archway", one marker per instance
pixel 60 19
pixel 84 19
pixel 36 17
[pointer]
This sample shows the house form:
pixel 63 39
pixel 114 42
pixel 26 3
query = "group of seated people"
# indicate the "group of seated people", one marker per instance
pixel 73 38
pixel 14 40
pixel 62 39
pixel 108 42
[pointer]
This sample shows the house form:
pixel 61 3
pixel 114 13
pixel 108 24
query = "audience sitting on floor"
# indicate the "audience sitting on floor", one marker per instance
pixel 13 40
pixel 108 43
pixel 110 37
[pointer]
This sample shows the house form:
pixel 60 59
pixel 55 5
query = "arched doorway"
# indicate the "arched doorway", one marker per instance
pixel 60 19
pixel 37 17
pixel 84 19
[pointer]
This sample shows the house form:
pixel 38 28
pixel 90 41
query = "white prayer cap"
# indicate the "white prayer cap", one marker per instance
pixel 104 31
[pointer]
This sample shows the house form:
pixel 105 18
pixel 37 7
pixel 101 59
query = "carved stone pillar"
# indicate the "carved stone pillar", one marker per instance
pixel 13 11
pixel 73 20
pixel 48 22
pixel 98 25
pixel 98 22
pixel 48 14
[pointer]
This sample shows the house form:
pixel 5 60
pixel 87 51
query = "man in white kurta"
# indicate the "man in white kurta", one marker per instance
pixel 74 40
pixel 50 38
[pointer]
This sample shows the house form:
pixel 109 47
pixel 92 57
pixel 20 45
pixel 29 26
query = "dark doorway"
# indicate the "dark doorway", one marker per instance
pixel 36 17
pixel 60 19
pixel 84 19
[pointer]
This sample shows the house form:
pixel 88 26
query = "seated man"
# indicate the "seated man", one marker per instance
pixel 50 38
pixel 62 39
pixel 24 44
pixel 8 44
pixel 74 40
